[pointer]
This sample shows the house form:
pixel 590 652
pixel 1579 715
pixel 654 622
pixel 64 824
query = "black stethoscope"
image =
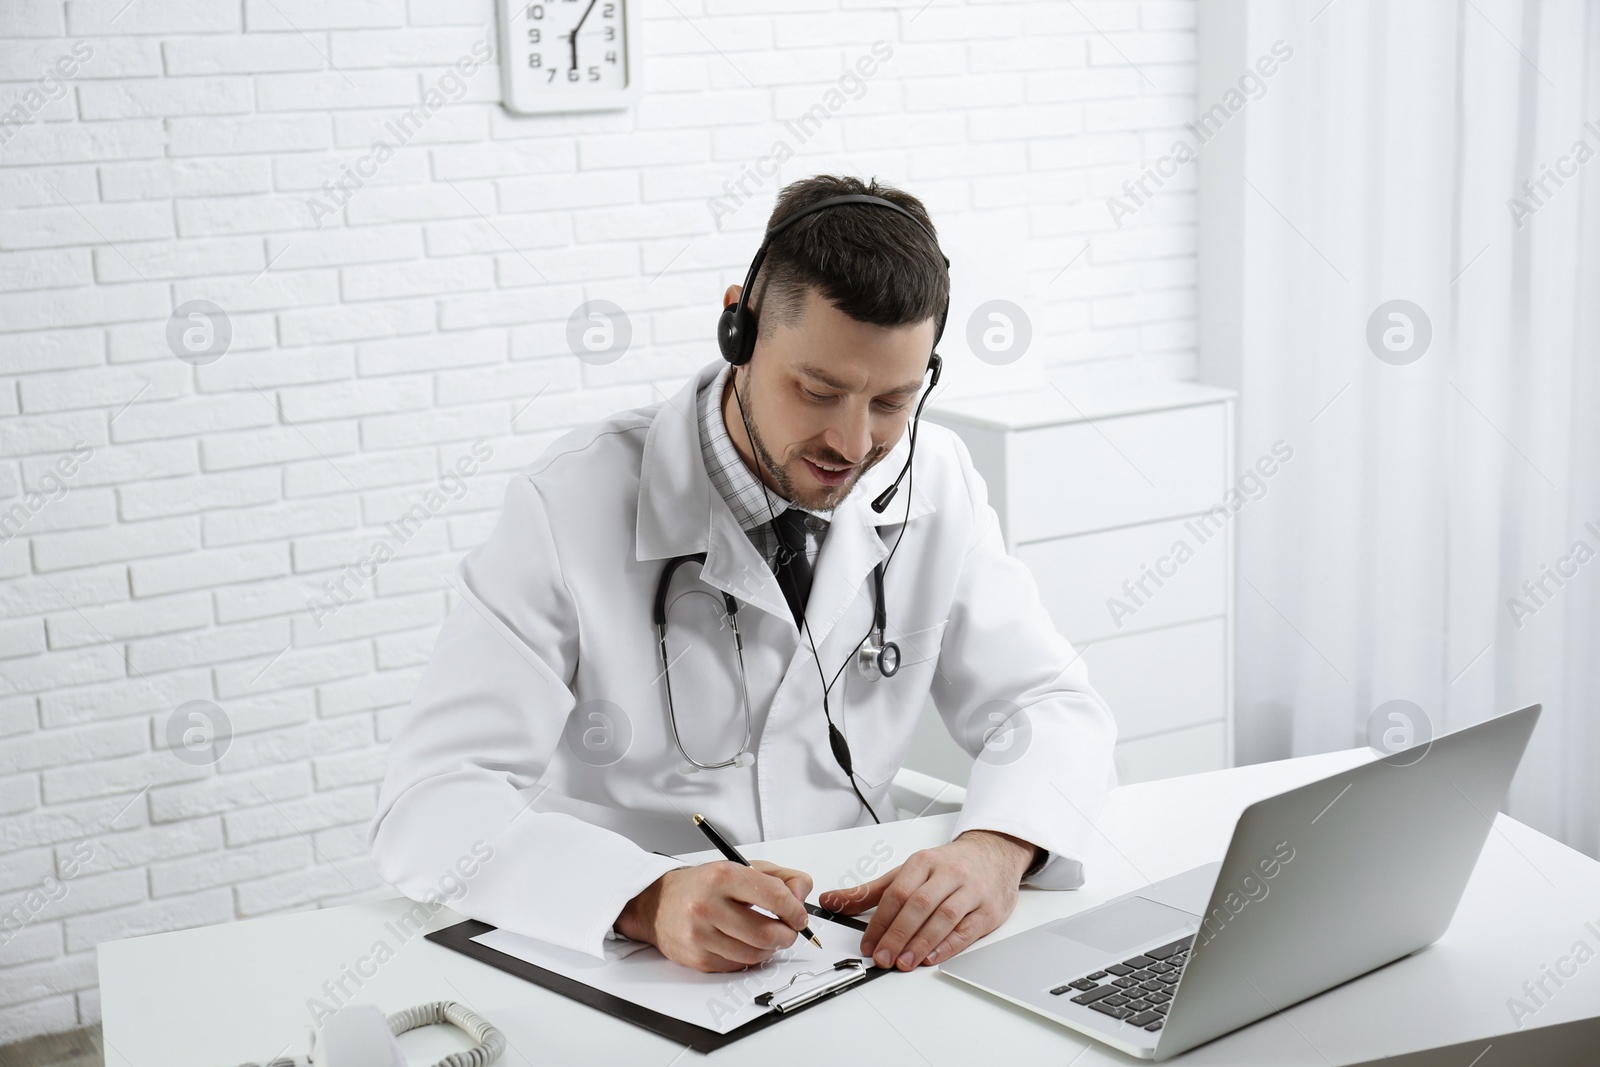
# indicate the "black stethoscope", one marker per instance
pixel 877 657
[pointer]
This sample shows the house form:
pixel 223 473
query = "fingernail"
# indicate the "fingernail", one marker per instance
pixel 905 958
pixel 882 958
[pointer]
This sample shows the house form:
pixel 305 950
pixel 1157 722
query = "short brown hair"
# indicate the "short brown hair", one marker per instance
pixel 873 264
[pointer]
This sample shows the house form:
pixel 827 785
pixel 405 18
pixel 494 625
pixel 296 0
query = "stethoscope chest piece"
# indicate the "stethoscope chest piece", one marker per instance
pixel 878 658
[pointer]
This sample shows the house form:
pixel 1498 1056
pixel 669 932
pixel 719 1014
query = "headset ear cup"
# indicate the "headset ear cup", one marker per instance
pixel 727 330
pixel 735 333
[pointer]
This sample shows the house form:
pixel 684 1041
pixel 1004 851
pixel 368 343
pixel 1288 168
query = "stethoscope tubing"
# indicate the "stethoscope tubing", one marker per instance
pixel 744 690
pixel 881 652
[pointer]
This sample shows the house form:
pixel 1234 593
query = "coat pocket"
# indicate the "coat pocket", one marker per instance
pixel 880 717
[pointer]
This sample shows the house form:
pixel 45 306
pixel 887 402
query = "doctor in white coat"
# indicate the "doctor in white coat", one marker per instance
pixel 542 734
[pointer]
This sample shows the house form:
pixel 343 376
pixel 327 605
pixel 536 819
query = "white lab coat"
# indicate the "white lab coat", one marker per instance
pixel 555 616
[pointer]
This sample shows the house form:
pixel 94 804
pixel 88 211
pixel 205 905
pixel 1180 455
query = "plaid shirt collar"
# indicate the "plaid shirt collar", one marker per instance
pixel 747 496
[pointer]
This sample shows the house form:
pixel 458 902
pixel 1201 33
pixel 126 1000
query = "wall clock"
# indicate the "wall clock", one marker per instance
pixel 568 55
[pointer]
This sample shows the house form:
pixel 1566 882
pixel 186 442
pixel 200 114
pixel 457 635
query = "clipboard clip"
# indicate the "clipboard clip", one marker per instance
pixel 849 971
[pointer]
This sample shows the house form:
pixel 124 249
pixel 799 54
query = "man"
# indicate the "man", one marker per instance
pixel 555 724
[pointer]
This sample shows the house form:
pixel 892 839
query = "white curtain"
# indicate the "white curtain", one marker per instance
pixel 1387 560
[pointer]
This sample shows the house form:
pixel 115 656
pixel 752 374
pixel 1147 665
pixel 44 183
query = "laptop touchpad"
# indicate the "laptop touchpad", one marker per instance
pixel 1126 925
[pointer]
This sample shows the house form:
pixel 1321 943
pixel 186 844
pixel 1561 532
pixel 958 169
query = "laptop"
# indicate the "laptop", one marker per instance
pixel 1320 884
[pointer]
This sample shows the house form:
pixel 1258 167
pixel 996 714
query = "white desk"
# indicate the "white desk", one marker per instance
pixel 229 994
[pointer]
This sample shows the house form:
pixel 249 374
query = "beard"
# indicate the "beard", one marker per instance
pixel 830 496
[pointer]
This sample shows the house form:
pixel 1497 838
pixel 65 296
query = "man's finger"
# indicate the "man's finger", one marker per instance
pixel 937 926
pixel 966 932
pixel 766 891
pixel 918 907
pixel 753 928
pixel 855 899
pixel 799 882
pixel 730 953
pixel 890 901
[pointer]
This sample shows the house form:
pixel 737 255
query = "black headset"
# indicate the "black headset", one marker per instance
pixel 736 328
pixel 736 337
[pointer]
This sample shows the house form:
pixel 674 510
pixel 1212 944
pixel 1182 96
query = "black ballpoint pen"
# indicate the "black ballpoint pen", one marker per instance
pixel 733 854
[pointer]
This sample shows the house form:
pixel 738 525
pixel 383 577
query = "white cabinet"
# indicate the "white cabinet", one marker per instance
pixel 1118 501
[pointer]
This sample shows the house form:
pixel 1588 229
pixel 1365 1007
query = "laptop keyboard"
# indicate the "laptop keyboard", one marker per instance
pixel 1138 990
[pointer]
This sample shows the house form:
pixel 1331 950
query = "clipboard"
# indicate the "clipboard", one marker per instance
pixel 700 1038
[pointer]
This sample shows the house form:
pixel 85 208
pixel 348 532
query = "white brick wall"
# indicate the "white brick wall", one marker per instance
pixel 206 504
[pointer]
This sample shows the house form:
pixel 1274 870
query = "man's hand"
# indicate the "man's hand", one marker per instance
pixel 701 916
pixel 940 900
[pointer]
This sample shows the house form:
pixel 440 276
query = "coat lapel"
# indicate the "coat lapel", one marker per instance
pixel 681 513
pixel 854 544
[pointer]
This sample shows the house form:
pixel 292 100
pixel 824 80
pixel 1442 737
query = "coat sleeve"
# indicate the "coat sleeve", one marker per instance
pixel 1015 695
pixel 463 768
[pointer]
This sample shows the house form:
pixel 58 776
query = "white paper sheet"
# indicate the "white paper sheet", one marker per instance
pixel 719 1002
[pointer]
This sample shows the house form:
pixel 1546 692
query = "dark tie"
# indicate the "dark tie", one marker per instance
pixel 791 566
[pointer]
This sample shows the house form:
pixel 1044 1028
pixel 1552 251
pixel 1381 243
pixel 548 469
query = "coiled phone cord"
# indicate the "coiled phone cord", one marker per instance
pixel 491 1042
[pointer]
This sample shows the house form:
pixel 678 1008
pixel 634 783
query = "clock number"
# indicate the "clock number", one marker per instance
pixel 572 40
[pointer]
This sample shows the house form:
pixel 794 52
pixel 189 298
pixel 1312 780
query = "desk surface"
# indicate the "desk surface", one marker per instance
pixel 245 991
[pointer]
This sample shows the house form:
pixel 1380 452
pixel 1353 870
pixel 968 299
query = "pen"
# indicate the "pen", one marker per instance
pixel 733 854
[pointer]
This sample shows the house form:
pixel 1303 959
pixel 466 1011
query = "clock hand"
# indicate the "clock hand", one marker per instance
pixel 574 34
